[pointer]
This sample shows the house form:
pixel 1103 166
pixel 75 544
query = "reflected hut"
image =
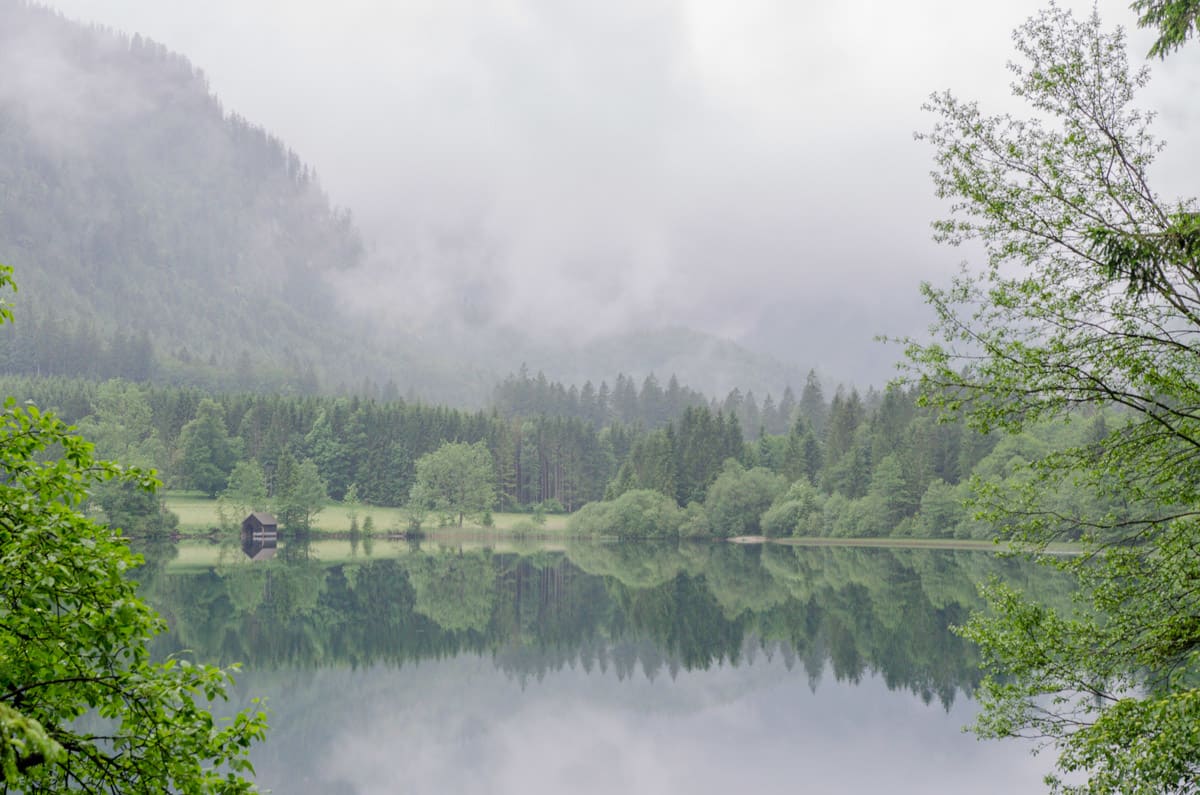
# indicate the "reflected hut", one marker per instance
pixel 260 535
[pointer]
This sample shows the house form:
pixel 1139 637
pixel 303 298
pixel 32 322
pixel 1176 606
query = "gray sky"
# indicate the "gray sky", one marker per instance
pixel 741 167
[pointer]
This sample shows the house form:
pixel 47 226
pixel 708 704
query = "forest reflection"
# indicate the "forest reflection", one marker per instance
pixel 625 608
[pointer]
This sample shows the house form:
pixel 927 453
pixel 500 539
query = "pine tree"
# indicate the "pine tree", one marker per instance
pixel 812 403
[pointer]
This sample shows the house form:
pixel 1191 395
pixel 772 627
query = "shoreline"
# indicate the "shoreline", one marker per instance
pixel 199 523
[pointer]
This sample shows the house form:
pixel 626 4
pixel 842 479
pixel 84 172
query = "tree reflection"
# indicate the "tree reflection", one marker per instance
pixel 625 608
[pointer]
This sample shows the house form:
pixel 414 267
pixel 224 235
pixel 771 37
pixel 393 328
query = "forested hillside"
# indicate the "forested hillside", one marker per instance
pixel 132 205
pixel 156 236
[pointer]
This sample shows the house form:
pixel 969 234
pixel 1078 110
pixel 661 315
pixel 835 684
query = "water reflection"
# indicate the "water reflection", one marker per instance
pixel 637 668
pixel 458 726
pixel 258 548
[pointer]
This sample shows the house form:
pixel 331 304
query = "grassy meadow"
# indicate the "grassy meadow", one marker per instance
pixel 198 514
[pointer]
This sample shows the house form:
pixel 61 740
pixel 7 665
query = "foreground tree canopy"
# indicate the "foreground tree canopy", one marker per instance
pixel 1175 20
pixel 1090 299
pixel 82 706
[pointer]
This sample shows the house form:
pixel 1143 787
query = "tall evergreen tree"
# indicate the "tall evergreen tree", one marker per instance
pixel 812 403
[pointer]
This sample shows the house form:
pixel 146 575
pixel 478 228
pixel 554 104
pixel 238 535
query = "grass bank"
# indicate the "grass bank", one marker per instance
pixel 198 516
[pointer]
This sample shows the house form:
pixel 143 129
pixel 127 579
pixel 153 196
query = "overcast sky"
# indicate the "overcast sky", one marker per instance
pixel 741 167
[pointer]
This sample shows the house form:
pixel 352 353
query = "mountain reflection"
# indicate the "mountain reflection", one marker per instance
pixel 624 608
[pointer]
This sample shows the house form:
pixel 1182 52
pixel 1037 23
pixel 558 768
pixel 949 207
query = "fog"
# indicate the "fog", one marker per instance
pixel 576 168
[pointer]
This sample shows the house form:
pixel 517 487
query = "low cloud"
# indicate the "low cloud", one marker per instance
pixel 573 168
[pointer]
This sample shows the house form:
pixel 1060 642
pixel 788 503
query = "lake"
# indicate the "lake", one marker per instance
pixel 600 668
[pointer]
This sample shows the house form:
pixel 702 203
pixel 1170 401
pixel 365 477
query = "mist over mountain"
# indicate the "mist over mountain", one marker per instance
pixel 133 204
pixel 130 201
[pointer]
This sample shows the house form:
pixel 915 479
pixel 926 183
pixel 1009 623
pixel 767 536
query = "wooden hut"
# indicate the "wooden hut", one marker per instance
pixel 260 524
pixel 260 533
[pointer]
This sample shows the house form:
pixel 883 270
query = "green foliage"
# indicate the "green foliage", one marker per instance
pixel 299 494
pixel 207 454
pixel 943 509
pixel 695 522
pixel 456 478
pixel 330 452
pixel 650 465
pixel 246 489
pixel 523 395
pixel 799 511
pixel 1176 20
pixel 641 513
pixel 352 502
pixel 1088 301
pixel 58 665
pixel 645 514
pixel 122 425
pixel 136 511
pixel 418 507
pixel 456 591
pixel 23 742
pixel 846 413
pixel 1122 674
pixel 593 519
pixel 783 519
pixel 738 498
pixel 888 497
pixel 562 462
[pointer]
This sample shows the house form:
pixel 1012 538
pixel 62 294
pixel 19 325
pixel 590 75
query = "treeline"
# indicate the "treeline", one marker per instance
pixel 45 346
pixel 891 469
pixel 849 467
pixel 195 439
pixel 652 405
pixel 843 468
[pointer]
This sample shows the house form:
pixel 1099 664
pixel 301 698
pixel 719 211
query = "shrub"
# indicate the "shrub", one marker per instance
pixel 738 498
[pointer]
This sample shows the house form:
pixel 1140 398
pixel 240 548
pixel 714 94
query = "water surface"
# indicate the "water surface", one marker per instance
pixel 603 668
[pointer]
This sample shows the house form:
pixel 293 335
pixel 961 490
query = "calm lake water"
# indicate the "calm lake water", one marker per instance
pixel 630 668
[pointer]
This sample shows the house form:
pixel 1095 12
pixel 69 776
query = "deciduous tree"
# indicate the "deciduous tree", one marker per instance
pixel 300 495
pixel 1089 298
pixel 207 453
pixel 82 705
pixel 458 478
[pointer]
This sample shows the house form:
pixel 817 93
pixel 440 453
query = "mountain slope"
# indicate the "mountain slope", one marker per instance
pixel 145 221
pixel 128 196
